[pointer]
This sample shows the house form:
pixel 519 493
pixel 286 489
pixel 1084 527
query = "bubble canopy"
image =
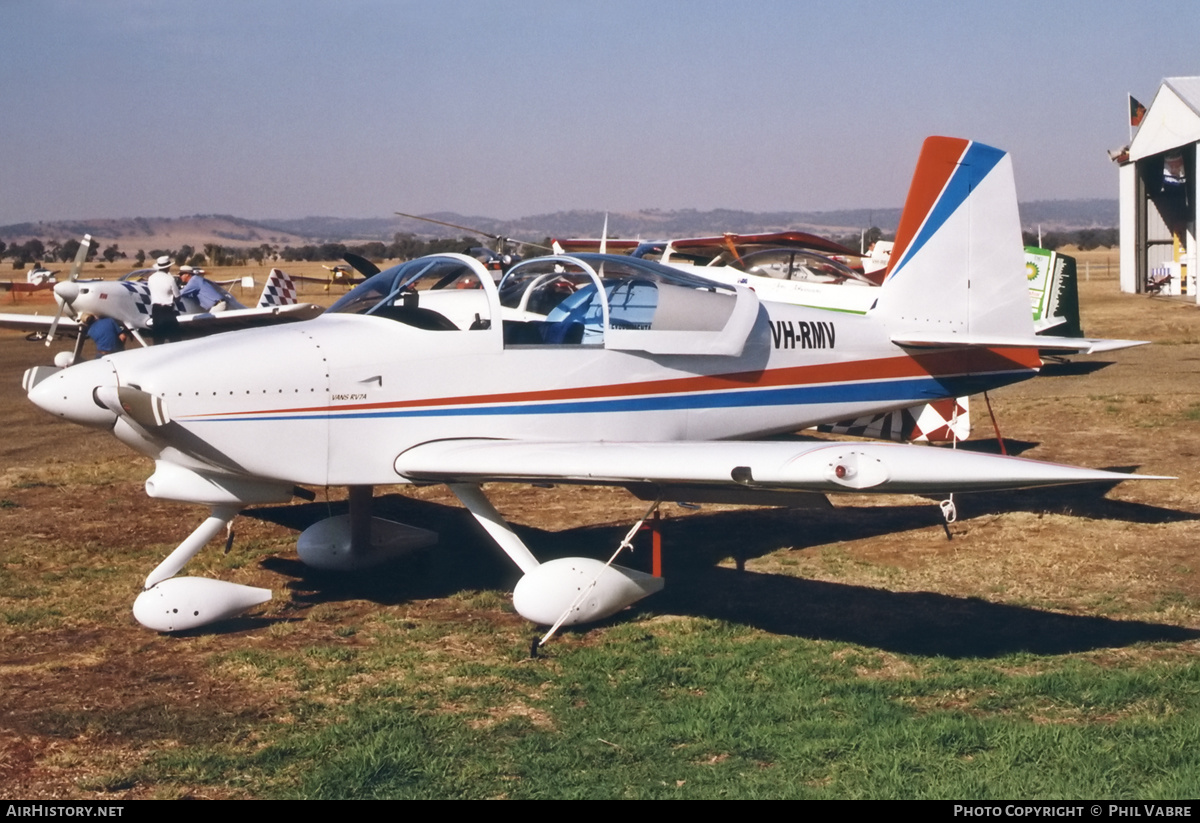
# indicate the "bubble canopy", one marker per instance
pixel 588 300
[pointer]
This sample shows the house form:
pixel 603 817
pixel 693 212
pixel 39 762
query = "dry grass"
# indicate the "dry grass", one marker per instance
pixel 89 695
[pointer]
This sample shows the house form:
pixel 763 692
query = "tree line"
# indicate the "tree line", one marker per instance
pixel 1082 239
pixel 404 246
pixel 52 251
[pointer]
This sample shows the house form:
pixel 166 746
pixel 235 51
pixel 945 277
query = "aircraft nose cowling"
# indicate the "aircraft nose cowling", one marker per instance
pixel 66 291
pixel 71 394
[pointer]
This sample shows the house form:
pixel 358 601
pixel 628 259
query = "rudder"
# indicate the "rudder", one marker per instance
pixel 957 266
pixel 279 290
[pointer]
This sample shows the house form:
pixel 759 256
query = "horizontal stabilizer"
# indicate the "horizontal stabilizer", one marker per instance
pixel 797 466
pixel 1066 345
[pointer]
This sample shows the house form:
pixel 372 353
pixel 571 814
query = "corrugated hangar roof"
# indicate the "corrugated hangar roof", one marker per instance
pixel 1172 120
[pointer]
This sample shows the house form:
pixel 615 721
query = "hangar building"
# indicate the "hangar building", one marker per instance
pixel 1158 193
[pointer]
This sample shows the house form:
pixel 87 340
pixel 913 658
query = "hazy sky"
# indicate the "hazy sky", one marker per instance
pixel 286 108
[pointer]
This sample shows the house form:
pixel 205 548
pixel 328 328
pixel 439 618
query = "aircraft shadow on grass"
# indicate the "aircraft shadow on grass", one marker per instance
pixel 922 623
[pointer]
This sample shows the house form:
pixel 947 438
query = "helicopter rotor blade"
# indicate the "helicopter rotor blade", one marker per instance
pixel 361 264
pixel 499 238
pixel 449 225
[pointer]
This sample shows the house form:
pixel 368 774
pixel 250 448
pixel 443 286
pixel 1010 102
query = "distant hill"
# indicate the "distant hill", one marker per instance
pixel 1065 215
pixel 1058 215
pixel 148 233
pixel 133 233
pixel 649 223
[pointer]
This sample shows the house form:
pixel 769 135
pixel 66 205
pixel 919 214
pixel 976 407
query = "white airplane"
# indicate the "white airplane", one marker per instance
pixel 128 302
pixel 791 267
pixel 37 278
pixel 591 369
pixel 877 257
pixel 40 276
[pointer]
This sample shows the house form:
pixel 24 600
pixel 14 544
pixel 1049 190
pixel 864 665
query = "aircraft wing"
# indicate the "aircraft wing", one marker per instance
pixel 591 244
pixel 194 323
pixel 714 245
pixel 21 286
pixel 246 318
pixel 347 279
pixel 38 322
pixel 797 466
pixel 746 243
pixel 1066 345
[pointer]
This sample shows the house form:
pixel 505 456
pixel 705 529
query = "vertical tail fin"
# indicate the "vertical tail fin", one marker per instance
pixel 278 291
pixel 957 266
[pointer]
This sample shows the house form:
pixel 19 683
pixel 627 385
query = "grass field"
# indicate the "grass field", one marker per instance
pixel 1049 650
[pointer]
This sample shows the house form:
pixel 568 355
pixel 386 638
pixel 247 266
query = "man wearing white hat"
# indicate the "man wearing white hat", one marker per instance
pixel 164 291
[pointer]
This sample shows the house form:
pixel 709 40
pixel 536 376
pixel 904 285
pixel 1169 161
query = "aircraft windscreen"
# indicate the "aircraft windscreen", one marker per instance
pixel 395 286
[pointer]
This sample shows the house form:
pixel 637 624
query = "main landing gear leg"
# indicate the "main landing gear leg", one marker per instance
pixel 494 524
pixel 563 592
pixel 79 341
pixel 172 604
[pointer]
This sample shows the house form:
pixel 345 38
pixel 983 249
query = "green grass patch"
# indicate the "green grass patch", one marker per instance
pixel 31 617
pixel 694 708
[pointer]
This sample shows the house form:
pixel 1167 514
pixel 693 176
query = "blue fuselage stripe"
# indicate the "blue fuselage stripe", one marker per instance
pixel 915 390
pixel 976 163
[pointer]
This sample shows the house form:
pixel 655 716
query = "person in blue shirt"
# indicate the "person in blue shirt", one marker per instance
pixel 106 333
pixel 197 288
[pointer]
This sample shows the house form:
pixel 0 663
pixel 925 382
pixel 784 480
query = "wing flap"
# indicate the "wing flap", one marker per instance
pixel 824 467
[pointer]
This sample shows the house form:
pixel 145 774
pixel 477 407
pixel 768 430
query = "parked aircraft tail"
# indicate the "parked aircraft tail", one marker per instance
pixel 956 275
pixel 958 261
pixel 279 290
pixel 941 421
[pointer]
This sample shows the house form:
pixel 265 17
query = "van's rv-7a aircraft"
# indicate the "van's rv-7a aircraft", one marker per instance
pixel 590 369
pixel 128 302
pixel 791 267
